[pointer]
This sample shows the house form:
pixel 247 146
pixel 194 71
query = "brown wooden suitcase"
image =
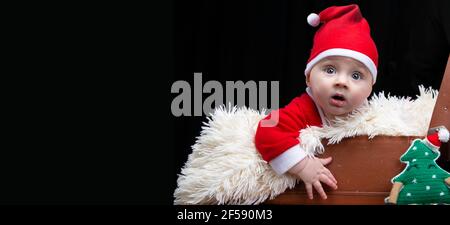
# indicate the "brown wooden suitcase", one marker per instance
pixel 364 168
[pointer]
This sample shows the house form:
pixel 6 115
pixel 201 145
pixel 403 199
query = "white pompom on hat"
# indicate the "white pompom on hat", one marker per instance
pixel 313 19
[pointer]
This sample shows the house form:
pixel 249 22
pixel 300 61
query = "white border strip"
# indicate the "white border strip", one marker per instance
pixel 288 159
pixel 431 146
pixel 364 59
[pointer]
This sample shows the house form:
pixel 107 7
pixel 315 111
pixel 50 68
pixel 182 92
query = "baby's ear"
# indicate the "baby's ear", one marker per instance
pixel 307 79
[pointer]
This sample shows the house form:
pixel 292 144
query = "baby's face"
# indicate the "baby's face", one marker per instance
pixel 339 84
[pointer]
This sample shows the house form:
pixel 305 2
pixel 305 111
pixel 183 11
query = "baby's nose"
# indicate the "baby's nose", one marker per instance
pixel 341 81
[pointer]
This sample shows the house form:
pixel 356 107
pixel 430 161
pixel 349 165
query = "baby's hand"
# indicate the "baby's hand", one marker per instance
pixel 312 172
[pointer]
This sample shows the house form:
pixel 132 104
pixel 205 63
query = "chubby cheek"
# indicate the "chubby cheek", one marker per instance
pixel 320 94
pixel 361 96
pixel 321 89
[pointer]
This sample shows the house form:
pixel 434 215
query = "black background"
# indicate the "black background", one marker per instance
pixel 271 40
pixel 79 118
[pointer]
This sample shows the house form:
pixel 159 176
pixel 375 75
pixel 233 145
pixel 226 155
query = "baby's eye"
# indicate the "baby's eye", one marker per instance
pixel 330 70
pixel 356 75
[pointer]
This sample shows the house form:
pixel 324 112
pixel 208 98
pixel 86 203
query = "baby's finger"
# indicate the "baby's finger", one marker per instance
pixel 330 175
pixel 320 190
pixel 309 190
pixel 325 161
pixel 324 178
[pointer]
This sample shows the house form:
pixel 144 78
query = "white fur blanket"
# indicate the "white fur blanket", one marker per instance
pixel 225 167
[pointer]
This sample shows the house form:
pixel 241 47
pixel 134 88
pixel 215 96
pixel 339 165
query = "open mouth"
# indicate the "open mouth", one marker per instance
pixel 337 100
pixel 338 97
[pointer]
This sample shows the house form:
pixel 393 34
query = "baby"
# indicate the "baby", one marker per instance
pixel 340 73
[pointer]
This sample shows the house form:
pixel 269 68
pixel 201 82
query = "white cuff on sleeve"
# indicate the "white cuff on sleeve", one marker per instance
pixel 282 163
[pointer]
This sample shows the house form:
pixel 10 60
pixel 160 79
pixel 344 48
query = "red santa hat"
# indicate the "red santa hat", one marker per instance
pixel 344 32
pixel 435 139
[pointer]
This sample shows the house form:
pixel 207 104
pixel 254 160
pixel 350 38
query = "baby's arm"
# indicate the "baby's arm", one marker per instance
pixel 393 196
pixel 447 181
pixel 279 145
pixel 312 172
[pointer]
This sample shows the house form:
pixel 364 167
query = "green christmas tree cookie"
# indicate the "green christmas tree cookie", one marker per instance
pixel 422 181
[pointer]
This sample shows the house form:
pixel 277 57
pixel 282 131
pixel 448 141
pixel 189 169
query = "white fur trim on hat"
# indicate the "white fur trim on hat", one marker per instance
pixel 364 59
pixel 443 135
pixel 430 145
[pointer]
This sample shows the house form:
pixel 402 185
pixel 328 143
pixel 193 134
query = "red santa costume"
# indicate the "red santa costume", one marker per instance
pixel 344 33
